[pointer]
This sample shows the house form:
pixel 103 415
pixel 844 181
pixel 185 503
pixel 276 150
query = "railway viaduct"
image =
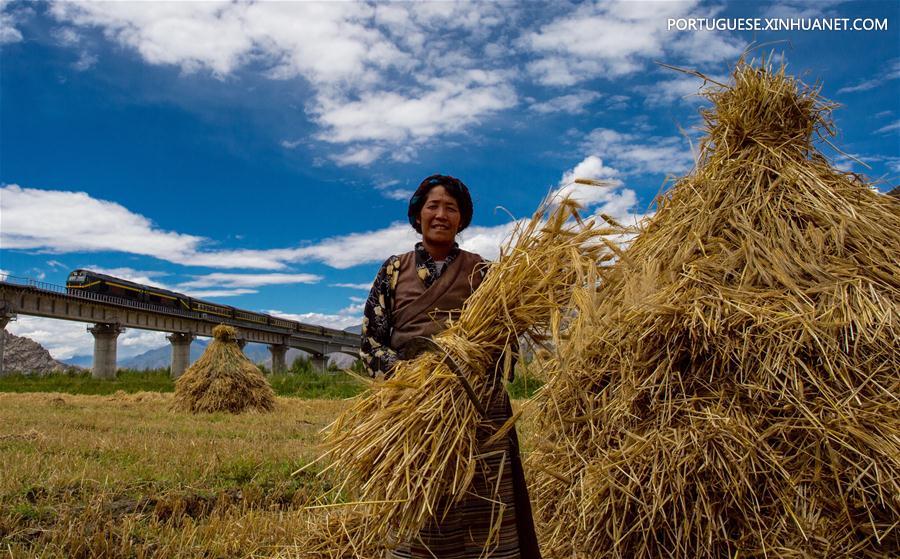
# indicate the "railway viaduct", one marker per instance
pixel 110 316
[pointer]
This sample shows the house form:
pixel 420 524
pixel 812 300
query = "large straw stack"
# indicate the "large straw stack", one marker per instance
pixel 223 379
pixel 732 388
pixel 408 448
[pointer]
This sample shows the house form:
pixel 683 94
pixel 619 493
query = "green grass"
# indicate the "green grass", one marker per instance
pixel 129 381
pixel 301 381
pixel 524 385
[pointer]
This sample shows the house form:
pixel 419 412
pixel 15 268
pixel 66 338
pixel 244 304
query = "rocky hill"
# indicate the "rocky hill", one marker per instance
pixel 22 355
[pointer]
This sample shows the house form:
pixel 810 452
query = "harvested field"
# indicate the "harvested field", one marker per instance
pixel 121 475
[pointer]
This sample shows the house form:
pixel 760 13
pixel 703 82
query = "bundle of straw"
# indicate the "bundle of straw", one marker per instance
pixel 223 379
pixel 731 388
pixel 332 533
pixel 407 449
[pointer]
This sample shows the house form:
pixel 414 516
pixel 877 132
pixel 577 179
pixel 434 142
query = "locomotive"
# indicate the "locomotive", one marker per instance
pixel 81 280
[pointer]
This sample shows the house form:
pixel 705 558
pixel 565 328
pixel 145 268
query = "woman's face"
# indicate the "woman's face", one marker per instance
pixel 439 218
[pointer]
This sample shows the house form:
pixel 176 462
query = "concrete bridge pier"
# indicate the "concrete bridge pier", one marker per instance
pixel 181 352
pixel 5 316
pixel 319 362
pixel 278 352
pixel 105 349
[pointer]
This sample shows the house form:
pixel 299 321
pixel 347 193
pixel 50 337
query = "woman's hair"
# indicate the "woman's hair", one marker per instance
pixel 454 187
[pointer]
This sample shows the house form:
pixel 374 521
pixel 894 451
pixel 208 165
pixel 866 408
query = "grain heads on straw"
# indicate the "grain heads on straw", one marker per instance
pixel 223 379
pixel 731 388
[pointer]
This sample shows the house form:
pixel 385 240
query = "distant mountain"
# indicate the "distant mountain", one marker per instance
pixel 24 355
pixel 354 329
pixel 161 357
pixel 85 361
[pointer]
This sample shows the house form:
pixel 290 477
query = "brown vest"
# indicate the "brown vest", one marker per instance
pixel 422 312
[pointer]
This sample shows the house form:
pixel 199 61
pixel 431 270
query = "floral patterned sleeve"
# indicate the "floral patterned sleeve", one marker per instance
pixel 375 349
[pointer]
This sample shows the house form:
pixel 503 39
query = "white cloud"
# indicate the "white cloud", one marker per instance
pixel 387 183
pixel 8 20
pixel 388 78
pixel 591 167
pixel 683 88
pixel 134 342
pixel 360 155
pixel 273 259
pixel 73 221
pixel 704 47
pixel 362 286
pixel 441 106
pixel 800 9
pixel 633 154
pixel 62 338
pixel 573 103
pixel 889 127
pixel 851 161
pixel 66 338
pixel 889 73
pixel 612 200
pixel 360 248
pixel 85 61
pixel 616 38
pixel 486 240
pixel 209 293
pixel 397 194
pixel 59 221
pixel 248 280
pixel 347 52
pixel 384 187
pixel 350 316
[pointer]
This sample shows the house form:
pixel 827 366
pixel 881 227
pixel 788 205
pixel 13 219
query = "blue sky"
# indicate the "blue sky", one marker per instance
pixel 261 154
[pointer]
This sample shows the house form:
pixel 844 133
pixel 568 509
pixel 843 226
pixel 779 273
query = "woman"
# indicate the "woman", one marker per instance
pixel 412 295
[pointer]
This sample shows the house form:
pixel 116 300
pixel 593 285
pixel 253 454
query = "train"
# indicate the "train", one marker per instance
pixel 81 280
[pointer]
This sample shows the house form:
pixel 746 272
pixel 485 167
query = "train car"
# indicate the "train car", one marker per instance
pixel 252 316
pixel 282 323
pixel 310 329
pixel 215 309
pixel 81 280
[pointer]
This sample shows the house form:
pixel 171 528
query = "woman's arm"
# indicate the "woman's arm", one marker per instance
pixel 375 349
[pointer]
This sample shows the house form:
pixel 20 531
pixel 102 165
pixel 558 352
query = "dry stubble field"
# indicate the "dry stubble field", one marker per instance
pixel 123 476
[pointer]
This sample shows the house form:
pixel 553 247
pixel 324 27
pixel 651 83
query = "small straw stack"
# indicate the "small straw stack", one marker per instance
pixel 407 449
pixel 223 379
pixel 732 387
